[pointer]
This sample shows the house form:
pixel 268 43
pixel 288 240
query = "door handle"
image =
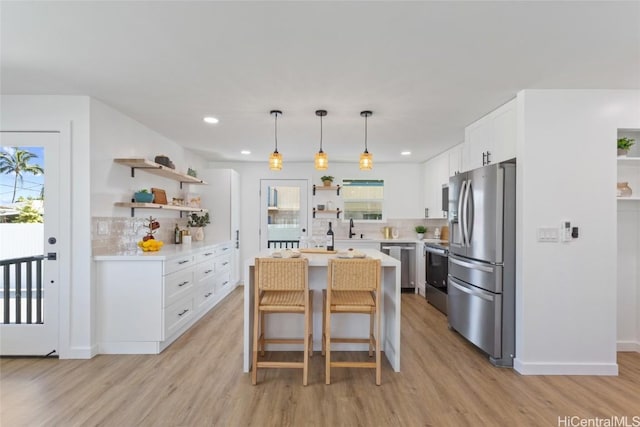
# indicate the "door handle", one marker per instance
pixel 453 260
pixel 52 256
pixel 470 291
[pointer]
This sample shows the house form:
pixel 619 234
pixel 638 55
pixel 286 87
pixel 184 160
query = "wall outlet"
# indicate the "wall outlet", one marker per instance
pixel 548 234
pixel 103 228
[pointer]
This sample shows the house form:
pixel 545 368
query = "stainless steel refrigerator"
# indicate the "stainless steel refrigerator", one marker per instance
pixel 481 280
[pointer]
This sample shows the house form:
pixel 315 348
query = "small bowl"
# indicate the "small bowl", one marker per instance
pixel 143 197
pixel 320 207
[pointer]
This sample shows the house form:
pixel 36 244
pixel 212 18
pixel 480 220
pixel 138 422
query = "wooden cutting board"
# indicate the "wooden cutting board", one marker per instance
pixel 317 251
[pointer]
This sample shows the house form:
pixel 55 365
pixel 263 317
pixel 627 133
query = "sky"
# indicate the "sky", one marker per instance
pixel 31 184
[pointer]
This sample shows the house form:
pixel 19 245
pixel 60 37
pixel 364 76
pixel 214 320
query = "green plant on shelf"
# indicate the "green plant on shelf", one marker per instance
pixel 625 143
pixel 196 220
pixel 421 229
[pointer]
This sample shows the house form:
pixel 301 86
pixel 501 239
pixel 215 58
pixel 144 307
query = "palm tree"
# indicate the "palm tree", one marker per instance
pixel 18 163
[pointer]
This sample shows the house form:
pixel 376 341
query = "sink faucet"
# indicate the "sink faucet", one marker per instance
pixel 351 233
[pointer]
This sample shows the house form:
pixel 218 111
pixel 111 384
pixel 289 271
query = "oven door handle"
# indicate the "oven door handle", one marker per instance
pixel 471 265
pixel 441 252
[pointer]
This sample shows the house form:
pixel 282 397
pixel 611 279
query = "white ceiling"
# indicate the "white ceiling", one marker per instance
pixel 426 69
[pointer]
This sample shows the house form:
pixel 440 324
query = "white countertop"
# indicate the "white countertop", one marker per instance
pixel 321 260
pixel 167 251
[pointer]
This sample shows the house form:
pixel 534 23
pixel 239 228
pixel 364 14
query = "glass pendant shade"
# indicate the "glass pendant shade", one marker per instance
pixel 275 161
pixel 366 161
pixel 321 159
pixel 366 158
pixel 322 162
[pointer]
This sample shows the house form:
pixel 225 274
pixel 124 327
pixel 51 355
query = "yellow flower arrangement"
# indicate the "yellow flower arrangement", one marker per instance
pixel 151 245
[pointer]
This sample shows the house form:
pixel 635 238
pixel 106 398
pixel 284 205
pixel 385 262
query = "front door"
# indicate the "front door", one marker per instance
pixel 283 212
pixel 29 198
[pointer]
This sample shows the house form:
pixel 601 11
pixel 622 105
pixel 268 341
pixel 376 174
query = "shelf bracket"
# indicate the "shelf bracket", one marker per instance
pixel 133 173
pixel 338 191
pixel 338 213
pixel 314 209
pixel 314 191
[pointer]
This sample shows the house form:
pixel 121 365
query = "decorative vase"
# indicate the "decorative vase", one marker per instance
pixel 624 190
pixel 327 183
pixel 622 153
pixel 197 233
pixel 420 236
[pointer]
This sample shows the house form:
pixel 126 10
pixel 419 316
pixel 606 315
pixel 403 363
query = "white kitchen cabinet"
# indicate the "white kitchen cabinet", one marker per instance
pixel 455 159
pixel 436 175
pixel 222 198
pixel 144 303
pixel 492 138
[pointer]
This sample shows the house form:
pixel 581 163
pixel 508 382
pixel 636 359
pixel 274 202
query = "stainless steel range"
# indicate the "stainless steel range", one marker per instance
pixel 436 262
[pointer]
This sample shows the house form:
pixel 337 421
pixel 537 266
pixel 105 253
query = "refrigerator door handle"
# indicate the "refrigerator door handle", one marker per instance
pixel 465 213
pixel 468 220
pixel 476 293
pixel 461 211
pixel 470 265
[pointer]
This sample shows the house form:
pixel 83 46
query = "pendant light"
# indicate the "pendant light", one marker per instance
pixel 275 159
pixel 322 161
pixel 366 159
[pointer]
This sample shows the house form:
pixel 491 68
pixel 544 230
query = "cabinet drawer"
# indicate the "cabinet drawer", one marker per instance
pixel 177 284
pixel 223 264
pixel 223 249
pixel 223 281
pixel 203 294
pixel 205 255
pixel 177 315
pixel 205 270
pixel 180 263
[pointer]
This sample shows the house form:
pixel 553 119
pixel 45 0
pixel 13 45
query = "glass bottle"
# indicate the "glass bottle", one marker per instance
pixel 177 236
pixel 330 240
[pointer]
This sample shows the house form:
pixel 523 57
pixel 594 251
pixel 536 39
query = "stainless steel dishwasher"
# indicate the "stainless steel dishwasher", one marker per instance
pixel 406 254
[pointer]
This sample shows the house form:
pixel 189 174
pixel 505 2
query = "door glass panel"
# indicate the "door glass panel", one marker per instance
pixel 285 213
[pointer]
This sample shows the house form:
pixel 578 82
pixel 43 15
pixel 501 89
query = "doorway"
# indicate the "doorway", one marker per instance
pixel 29 271
pixel 283 212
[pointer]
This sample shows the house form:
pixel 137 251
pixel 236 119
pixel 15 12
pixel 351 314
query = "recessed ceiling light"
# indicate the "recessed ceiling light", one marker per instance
pixel 405 153
pixel 211 120
pixel 245 152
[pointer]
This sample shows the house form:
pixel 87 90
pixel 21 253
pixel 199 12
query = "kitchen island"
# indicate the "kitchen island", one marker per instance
pixel 290 325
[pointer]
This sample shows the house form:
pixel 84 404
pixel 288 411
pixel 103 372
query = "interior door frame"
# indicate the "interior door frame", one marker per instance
pixel 303 184
pixel 64 130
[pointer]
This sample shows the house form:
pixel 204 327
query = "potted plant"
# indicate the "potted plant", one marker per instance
pixel 327 180
pixel 420 230
pixel 624 144
pixel 143 196
pixel 198 222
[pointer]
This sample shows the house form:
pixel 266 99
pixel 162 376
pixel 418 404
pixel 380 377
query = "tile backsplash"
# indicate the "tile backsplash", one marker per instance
pixel 405 228
pixel 121 234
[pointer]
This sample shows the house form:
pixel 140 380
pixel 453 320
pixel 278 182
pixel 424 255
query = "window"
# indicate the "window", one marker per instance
pixel 363 199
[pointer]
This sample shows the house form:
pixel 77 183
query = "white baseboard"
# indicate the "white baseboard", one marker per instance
pixel 548 368
pixel 79 352
pixel 628 346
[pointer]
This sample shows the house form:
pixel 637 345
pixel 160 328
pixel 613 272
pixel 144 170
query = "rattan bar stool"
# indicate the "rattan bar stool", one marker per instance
pixel 281 286
pixel 353 286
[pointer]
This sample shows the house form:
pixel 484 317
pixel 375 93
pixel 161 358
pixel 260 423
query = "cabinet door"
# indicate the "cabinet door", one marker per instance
pixel 455 159
pixel 504 130
pixel 479 140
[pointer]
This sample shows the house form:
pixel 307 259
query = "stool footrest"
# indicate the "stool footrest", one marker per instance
pixel 263 364
pixel 353 364
pixel 284 340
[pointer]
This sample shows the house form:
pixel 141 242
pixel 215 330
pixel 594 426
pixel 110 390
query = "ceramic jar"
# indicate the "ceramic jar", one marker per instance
pixel 624 190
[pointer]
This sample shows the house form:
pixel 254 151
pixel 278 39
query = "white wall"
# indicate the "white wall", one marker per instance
pixel 114 135
pixel 70 116
pixel 566 292
pixel 403 195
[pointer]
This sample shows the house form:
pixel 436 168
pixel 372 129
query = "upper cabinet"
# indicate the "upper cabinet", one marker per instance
pixel 436 175
pixel 456 159
pixel 491 139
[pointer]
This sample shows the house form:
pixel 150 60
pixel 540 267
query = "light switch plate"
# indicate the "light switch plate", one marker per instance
pixel 548 234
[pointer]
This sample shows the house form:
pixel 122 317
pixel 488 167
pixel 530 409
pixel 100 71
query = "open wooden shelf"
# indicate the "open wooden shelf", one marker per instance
pixel 136 205
pixel 335 188
pixel 158 169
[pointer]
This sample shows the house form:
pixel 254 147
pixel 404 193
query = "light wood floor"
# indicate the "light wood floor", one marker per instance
pixel 198 381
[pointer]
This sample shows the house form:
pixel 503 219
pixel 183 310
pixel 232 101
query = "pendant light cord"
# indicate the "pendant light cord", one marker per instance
pixel 321 134
pixel 276 132
pixel 365 133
